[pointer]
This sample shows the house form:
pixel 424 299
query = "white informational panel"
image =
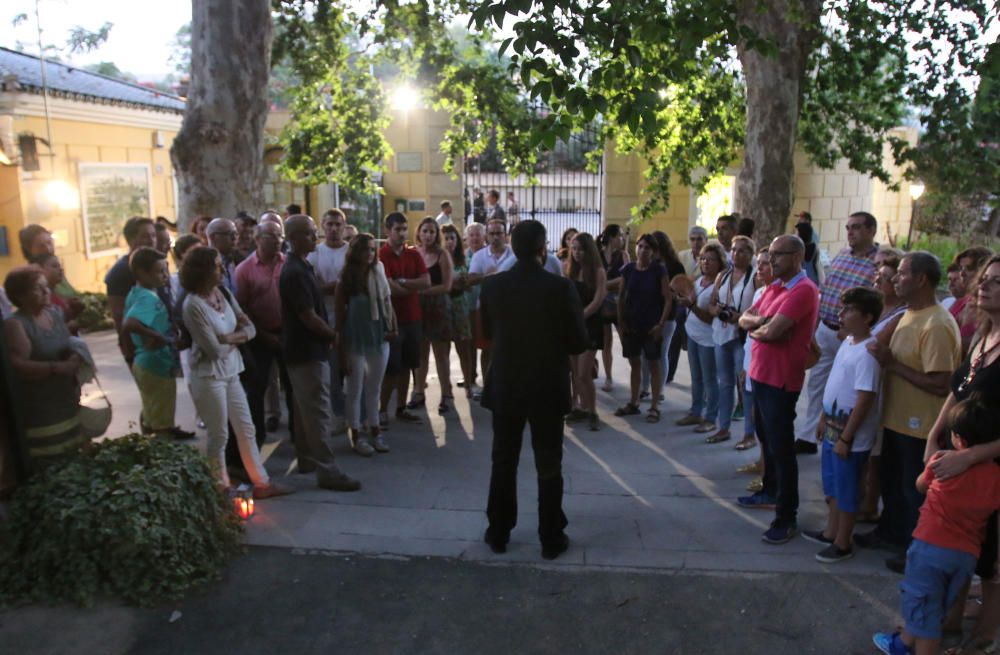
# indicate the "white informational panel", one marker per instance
pixel 110 194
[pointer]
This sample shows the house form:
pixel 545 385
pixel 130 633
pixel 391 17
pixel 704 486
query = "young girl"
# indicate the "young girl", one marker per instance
pixel 435 307
pixel 365 324
pixel 588 275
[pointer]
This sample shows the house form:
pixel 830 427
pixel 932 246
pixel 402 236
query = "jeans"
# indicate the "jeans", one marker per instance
pixel 311 384
pixel 901 463
pixel 816 384
pixel 749 425
pixel 704 382
pixel 365 379
pixel 668 333
pixel 728 365
pixel 221 403
pixel 546 441
pixel 775 423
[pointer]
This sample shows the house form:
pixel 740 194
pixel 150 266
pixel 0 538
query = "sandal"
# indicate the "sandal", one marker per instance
pixel 746 443
pixel 653 415
pixel 628 410
pixel 417 400
pixel 443 407
pixel 719 437
pixel 973 646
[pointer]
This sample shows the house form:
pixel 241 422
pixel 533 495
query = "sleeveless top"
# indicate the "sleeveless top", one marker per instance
pixel 54 398
pixel 698 330
pixel 435 273
pixel 364 336
pixel 614 267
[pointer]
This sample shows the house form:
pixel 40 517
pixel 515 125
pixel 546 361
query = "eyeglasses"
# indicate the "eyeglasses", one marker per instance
pixel 495 234
pixel 780 253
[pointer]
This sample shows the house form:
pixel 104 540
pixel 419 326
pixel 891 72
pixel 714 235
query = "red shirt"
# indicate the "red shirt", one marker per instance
pixel 955 512
pixel 257 291
pixel 406 265
pixel 782 364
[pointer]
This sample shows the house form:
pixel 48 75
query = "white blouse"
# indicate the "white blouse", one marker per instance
pixel 738 295
pixel 698 330
pixel 209 357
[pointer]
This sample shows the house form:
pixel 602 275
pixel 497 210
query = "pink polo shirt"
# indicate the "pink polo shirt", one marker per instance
pixel 782 364
pixel 257 291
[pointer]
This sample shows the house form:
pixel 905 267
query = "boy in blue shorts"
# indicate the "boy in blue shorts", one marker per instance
pixel 946 542
pixel 849 422
pixel 147 322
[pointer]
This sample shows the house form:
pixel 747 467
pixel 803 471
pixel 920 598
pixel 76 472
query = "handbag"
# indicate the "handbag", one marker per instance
pixel 95 421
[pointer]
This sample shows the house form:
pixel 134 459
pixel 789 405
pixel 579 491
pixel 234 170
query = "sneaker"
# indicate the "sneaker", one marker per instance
pixel 831 554
pixel 362 447
pixel 383 420
pixel 805 447
pixel 777 535
pixel 379 444
pixel 890 644
pixel 759 500
pixel 594 423
pixel 690 419
pixel 334 479
pixel 817 537
pixel 272 490
pixel 756 485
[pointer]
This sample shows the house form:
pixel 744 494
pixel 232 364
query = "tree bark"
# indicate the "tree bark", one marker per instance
pixel 218 153
pixel 774 98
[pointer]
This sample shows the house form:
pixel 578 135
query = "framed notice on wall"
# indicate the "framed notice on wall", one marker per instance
pixel 109 195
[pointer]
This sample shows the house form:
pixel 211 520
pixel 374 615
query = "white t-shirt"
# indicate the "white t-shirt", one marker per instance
pixel 698 330
pixel 740 296
pixel 484 263
pixel 443 219
pixel 854 369
pixel 328 263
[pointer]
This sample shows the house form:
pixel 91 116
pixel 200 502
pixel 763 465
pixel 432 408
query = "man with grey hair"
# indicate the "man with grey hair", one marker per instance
pixel 781 323
pixel 222 235
pixel 917 363
pixel 697 238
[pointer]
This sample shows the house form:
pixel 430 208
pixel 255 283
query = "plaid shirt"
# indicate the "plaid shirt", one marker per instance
pixel 845 272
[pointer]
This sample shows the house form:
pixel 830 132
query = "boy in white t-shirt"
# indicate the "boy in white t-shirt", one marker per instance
pixel 849 422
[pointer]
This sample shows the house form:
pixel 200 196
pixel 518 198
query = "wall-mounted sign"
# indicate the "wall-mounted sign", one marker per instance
pixel 416 205
pixel 409 162
pixel 110 195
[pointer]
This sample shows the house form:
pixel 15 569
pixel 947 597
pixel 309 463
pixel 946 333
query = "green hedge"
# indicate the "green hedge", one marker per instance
pixel 95 314
pixel 138 518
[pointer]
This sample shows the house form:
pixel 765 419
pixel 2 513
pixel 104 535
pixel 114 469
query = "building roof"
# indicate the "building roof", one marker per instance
pixel 21 71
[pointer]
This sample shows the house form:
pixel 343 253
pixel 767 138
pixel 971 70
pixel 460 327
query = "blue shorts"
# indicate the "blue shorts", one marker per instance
pixel 638 343
pixel 934 576
pixel 842 477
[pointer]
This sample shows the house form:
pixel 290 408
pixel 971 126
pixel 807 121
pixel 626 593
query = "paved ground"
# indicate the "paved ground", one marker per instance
pixel 662 560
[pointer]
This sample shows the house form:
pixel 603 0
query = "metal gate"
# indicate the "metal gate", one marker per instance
pixel 567 194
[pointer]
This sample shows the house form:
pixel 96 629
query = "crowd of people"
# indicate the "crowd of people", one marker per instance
pixel 900 386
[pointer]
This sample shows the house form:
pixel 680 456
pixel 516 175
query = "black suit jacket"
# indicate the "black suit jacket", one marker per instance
pixel 535 320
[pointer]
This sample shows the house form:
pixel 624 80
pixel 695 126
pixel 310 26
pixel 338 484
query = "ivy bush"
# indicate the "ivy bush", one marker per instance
pixel 138 518
pixel 95 314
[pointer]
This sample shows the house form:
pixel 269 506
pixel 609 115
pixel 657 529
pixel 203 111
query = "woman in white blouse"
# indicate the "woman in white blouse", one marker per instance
pixel 218 326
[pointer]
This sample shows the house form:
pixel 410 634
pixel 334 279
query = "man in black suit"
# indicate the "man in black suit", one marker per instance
pixel 535 320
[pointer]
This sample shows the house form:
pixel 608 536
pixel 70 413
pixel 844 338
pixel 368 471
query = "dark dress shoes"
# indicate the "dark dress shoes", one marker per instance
pixel 497 544
pixel 556 547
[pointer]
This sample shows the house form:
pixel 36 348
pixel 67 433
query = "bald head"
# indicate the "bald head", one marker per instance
pixel 786 253
pixel 270 217
pixel 222 235
pixel 300 230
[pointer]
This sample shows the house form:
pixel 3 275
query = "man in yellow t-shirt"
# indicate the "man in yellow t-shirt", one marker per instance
pixel 917 364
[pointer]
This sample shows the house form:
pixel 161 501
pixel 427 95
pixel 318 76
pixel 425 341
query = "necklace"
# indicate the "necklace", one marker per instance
pixel 977 364
pixel 213 300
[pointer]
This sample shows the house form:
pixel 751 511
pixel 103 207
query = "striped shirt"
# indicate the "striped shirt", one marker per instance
pixel 845 272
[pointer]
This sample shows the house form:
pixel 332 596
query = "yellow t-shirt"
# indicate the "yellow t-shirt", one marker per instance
pixel 926 340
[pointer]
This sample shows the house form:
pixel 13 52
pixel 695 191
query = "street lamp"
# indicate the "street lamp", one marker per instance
pixel 404 98
pixel 916 190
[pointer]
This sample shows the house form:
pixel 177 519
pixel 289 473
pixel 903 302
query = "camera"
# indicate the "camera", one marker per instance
pixel 727 313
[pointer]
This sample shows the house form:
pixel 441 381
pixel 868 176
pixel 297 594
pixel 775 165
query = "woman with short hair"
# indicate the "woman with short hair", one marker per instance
pixel 218 327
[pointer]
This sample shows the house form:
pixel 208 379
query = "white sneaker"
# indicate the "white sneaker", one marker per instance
pixel 362 447
pixel 379 444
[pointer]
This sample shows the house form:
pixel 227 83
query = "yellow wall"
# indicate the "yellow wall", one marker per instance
pixel 23 201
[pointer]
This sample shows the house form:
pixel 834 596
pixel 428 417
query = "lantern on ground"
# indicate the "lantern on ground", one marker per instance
pixel 242 497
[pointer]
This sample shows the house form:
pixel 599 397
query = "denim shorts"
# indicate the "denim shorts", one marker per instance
pixel 934 576
pixel 842 477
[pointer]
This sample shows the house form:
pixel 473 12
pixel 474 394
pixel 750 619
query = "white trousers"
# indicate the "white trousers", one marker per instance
pixel 221 403
pixel 365 380
pixel 829 344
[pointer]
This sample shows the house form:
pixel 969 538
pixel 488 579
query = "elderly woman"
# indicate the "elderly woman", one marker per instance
pixel 44 366
pixel 217 327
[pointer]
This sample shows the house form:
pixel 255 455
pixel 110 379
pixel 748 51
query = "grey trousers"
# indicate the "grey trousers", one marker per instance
pixel 311 389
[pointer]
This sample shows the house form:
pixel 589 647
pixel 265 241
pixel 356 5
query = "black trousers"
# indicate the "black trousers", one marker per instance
pixel 901 463
pixel 546 441
pixel 255 381
pixel 775 423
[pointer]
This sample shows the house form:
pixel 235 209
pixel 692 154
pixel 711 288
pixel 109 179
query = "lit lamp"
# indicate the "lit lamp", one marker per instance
pixel 916 190
pixel 403 98
pixel 62 195
pixel 243 501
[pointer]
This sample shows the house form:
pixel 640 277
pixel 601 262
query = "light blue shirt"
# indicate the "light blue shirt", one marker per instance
pixel 552 264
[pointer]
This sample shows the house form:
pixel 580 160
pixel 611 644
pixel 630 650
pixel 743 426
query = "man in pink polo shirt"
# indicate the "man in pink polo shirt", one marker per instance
pixel 781 324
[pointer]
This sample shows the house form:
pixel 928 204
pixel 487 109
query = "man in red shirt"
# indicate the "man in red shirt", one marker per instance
pixel 407 275
pixel 781 324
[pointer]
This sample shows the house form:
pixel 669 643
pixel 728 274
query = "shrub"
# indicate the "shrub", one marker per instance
pixel 134 517
pixel 95 314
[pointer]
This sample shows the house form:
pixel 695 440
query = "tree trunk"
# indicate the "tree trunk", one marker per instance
pixel 774 96
pixel 218 153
